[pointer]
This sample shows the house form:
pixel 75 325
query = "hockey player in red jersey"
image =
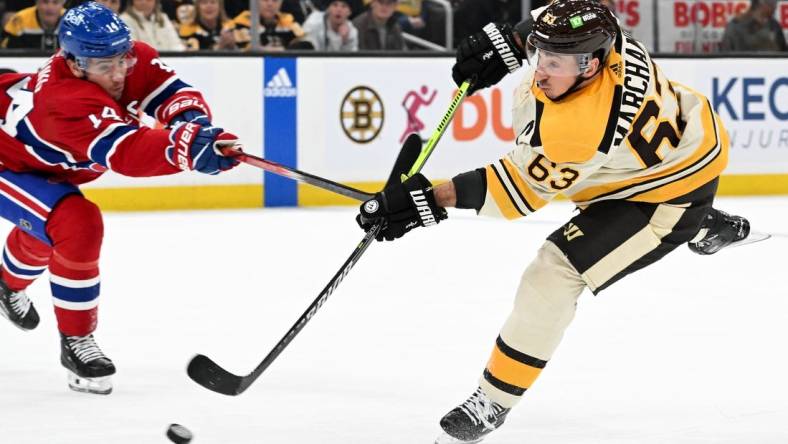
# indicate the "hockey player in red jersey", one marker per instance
pixel 66 125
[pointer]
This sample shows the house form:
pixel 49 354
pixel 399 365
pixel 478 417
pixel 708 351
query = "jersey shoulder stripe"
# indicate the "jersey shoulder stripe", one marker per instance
pixel 40 148
pixel 502 197
pixel 101 148
pixel 167 89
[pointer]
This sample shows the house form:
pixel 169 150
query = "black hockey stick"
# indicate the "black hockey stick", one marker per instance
pixel 295 174
pixel 204 371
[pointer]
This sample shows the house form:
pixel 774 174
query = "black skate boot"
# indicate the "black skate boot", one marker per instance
pixel 472 420
pixel 17 308
pixel 719 230
pixel 89 370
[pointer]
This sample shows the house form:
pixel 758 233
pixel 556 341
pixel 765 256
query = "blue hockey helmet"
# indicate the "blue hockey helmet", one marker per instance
pixel 92 30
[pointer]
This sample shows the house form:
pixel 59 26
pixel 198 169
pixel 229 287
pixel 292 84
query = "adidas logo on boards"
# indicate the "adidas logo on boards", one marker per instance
pixel 280 85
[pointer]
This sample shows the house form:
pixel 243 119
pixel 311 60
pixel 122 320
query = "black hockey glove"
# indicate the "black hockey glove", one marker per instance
pixel 402 207
pixel 487 56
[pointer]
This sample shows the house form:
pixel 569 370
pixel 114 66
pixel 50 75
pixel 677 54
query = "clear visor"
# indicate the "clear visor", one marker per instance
pixel 109 65
pixel 556 64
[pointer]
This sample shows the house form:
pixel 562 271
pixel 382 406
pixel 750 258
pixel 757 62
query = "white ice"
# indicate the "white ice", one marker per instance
pixel 691 350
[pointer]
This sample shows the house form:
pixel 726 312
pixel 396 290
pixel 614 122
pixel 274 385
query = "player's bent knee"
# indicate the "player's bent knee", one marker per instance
pixel 76 218
pixel 544 305
pixel 552 277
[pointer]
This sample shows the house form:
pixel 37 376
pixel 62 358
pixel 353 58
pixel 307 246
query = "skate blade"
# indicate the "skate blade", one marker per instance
pixel 5 314
pixel 96 386
pixel 445 438
pixel 752 238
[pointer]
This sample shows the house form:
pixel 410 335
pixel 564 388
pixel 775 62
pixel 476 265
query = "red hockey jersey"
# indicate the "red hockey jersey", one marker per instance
pixel 70 129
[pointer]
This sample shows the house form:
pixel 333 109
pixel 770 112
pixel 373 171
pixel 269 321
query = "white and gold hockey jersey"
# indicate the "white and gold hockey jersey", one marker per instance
pixel 631 134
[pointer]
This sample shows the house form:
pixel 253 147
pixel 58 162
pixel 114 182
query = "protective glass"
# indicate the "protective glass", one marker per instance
pixel 556 64
pixel 109 65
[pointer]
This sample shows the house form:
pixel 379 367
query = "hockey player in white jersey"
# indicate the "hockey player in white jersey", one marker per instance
pixel 597 121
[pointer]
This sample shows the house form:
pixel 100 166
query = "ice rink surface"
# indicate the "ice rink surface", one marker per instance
pixel 690 350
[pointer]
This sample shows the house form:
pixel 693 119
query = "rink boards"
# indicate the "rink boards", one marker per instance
pixel 344 118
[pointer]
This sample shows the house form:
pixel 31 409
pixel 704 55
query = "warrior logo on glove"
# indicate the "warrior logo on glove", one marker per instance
pixel 423 207
pixel 402 207
pixel 487 56
pixel 503 48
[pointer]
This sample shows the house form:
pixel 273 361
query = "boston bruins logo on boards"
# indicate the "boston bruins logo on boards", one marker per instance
pixel 362 114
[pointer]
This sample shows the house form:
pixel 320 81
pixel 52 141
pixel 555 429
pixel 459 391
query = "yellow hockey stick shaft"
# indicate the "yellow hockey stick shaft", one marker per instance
pixel 438 133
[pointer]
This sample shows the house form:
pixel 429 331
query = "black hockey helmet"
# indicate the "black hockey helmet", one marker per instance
pixel 575 27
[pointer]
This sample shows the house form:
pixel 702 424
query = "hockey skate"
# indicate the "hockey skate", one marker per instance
pixel 89 370
pixel 720 230
pixel 17 308
pixel 472 421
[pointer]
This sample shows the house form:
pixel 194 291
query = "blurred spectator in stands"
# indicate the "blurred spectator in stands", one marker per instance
pixel 171 8
pixel 235 7
pixel 14 6
pixel 34 27
pixel 378 29
pixel 149 24
pixel 299 9
pixel 208 28
pixel 332 30
pixel 471 15
pixel 357 7
pixel 754 30
pixel 278 30
pixel 184 13
pixel 412 15
pixel 114 5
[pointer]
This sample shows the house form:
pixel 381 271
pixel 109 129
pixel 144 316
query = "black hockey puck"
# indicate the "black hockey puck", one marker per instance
pixel 179 434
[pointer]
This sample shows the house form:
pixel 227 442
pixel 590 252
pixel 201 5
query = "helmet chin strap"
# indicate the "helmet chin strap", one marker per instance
pixel 578 80
pixel 575 86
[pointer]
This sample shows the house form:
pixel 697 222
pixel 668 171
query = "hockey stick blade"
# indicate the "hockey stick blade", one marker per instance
pixel 292 173
pixel 204 371
pixel 212 376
